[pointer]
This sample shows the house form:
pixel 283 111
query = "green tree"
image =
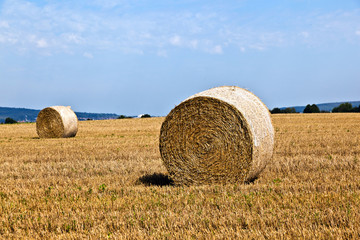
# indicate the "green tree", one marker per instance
pixel 289 110
pixel 344 107
pixel 315 108
pixel 10 121
pixel 356 109
pixel 311 109
pixel 286 110
pixel 276 110
pixel 307 109
pixel 123 117
pixel 146 116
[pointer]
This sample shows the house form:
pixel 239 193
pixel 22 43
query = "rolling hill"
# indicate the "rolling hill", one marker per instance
pixel 325 106
pixel 29 115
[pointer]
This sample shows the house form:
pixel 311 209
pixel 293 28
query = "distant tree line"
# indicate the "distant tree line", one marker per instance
pixel 346 107
pixel 286 110
pixel 9 121
pixel 313 108
pixel 123 117
pixel 141 116
pixel 145 115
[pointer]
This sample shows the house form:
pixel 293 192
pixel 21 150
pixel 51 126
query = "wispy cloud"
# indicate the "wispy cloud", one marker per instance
pixel 88 55
pixel 72 38
pixel 4 24
pixel 162 53
pixel 106 25
pixel 194 43
pixel 304 34
pixel 217 49
pixel 175 40
pixel 41 43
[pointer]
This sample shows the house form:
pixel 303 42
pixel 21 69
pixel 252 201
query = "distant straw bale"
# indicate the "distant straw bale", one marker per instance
pixel 56 122
pixel 222 135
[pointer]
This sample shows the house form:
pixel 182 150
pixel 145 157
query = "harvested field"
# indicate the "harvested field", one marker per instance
pixel 109 181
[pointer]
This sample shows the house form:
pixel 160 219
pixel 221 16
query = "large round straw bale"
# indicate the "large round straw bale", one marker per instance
pixel 56 122
pixel 222 135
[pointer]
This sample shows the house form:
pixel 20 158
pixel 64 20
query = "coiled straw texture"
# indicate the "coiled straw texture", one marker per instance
pixel 222 135
pixel 56 122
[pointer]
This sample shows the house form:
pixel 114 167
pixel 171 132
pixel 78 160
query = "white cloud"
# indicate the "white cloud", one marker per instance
pixel 72 27
pixel 88 55
pixel 73 38
pixel 162 53
pixel 217 49
pixel 130 50
pixel 107 3
pixel 4 24
pixel 41 43
pixel 257 47
pixel 194 44
pixel 8 39
pixel 304 34
pixel 175 40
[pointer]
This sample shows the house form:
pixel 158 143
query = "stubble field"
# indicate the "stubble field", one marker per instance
pixel 109 182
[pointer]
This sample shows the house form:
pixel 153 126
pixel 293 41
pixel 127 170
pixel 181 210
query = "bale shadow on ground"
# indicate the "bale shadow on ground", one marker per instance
pixel 251 180
pixel 160 179
pixel 155 179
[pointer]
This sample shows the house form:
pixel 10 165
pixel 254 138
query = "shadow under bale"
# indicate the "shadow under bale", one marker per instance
pixel 251 180
pixel 156 179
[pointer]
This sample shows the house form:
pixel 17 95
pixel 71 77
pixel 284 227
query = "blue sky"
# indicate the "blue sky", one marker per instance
pixel 132 57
